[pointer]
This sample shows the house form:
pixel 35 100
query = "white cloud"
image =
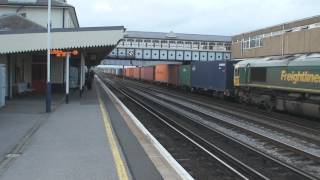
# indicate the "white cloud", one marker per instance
pixel 226 17
pixel 101 6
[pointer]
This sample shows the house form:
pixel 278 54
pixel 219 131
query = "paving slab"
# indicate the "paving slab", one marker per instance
pixel 70 144
pixel 19 116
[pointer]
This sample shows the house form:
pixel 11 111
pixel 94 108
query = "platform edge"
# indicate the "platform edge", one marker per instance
pixel 168 157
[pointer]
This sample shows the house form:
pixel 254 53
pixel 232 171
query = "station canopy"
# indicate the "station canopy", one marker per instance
pixel 93 39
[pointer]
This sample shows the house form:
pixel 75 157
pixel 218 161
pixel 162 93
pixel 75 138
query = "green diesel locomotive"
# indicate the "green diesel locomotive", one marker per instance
pixel 286 83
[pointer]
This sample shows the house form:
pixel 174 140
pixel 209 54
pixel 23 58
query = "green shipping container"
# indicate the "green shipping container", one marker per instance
pixel 185 75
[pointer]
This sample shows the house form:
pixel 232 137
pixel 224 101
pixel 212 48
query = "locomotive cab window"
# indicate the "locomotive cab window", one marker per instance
pixel 236 71
pixel 258 74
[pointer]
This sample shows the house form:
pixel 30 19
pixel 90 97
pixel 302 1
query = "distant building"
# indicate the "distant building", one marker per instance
pixel 23 44
pixel 63 14
pixel 32 15
pixel 157 46
pixel 297 37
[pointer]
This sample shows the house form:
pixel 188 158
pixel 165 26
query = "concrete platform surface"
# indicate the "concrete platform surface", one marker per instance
pixel 19 116
pixel 140 165
pixel 70 144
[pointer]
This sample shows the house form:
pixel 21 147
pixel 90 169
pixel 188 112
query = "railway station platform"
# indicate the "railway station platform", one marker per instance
pixel 85 139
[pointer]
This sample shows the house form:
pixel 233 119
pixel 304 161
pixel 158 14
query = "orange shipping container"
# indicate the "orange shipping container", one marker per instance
pixel 129 72
pixel 126 72
pixel 167 74
pixel 161 73
pixel 136 73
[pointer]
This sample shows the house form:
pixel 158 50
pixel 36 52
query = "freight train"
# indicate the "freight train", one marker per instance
pixel 286 83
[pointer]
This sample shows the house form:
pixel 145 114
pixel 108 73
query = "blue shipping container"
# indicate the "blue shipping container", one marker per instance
pixel 214 75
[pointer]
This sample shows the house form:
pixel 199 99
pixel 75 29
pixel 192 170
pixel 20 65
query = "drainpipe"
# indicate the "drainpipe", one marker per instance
pixel 63 17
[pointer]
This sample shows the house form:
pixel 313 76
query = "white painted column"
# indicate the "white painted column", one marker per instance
pixel 49 95
pixel 67 77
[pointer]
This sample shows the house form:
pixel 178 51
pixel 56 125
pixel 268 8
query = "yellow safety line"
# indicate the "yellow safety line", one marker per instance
pixel 121 170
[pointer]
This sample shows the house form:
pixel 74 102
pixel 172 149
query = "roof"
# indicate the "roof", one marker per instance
pixel 276 61
pixel 279 27
pixel 17 41
pixel 15 22
pixel 54 3
pixel 42 3
pixel 176 36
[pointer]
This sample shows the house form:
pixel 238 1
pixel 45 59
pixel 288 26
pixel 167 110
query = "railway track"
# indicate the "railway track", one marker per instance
pixel 281 150
pixel 307 136
pixel 275 119
pixel 243 160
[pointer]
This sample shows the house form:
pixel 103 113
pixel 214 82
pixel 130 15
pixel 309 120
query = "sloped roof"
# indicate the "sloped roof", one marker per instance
pixel 54 3
pixel 18 41
pixel 176 36
pixel 16 22
pixel 42 3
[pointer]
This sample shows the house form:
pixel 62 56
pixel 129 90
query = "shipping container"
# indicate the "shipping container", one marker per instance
pixel 174 75
pixel 136 73
pixel 216 76
pixel 185 76
pixel 161 73
pixel 113 71
pixel 129 72
pixel 119 72
pixel 126 72
pixel 167 74
pixel 147 73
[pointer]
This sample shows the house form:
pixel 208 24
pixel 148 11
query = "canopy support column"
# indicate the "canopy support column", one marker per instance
pixel 82 63
pixel 67 77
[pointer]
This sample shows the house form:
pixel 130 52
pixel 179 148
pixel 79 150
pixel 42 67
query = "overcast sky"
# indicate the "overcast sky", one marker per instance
pixel 221 17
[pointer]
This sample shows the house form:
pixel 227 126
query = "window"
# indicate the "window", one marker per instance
pixel 180 44
pixel 253 42
pixel 258 74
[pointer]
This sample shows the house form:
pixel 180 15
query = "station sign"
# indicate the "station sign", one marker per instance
pixel 60 53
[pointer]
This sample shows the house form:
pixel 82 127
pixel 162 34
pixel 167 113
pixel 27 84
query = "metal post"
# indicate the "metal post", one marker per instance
pixel 123 72
pixel 67 78
pixel 81 73
pixel 48 96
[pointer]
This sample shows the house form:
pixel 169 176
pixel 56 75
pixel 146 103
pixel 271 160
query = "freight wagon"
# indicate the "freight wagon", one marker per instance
pixel 290 83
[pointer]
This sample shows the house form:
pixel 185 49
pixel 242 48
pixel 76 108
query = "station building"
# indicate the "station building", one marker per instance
pixel 23 47
pixel 149 48
pixel 296 37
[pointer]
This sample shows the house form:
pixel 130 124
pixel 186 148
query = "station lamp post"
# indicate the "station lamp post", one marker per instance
pixel 48 94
